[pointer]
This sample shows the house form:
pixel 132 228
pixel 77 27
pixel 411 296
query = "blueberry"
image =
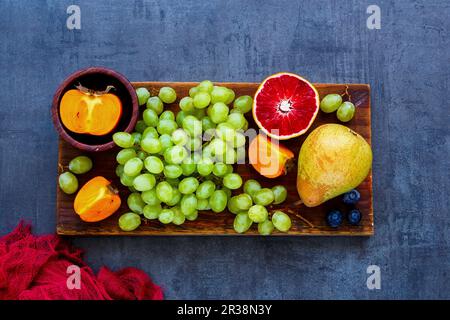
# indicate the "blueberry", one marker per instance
pixel 334 218
pixel 354 217
pixel 351 197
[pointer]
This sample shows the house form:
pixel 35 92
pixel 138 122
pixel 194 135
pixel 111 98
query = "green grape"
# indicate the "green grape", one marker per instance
pixel 167 115
pixel 175 198
pixel 258 213
pixel 205 189
pixel 230 168
pixel 243 104
pixel 167 95
pixel 150 117
pixel 205 166
pixel 199 113
pixel 192 125
pixel 227 192
pixel 172 171
pixel 143 94
pixel 240 155
pixel 279 194
pixel 202 100
pixel 281 221
pixel 133 167
pixel 330 103
pixel 129 221
pixel 187 104
pixel 166 142
pixel 265 228
pixel 152 212
pixel 219 94
pixel 178 218
pixel 180 137
pixel 144 182
pixel 193 91
pixel 135 202
pixel 153 164
pixel 243 202
pixel 119 170
pixel 245 127
pixel 155 104
pixel 175 155
pixel 126 180
pixel 218 147
pixel 232 181
pixel 203 204
pixel 236 120
pixel 218 201
pixel 230 96
pixel 150 132
pixel 136 138
pixel 142 155
pixel 166 126
pixel 230 156
pixel 140 126
pixel 251 186
pixel 173 182
pixel 188 204
pixel 164 191
pixel 123 139
pixel 234 111
pixel 194 144
pixel 180 117
pixel 225 131
pixel 151 145
pixel 68 182
pixel 219 112
pixel 207 124
pixel 150 198
pixel 220 169
pixel 346 111
pixel 188 166
pixel 166 216
pixel 263 197
pixel 232 205
pixel 188 185
pixel 80 165
pixel 132 189
pixel 239 140
pixel 242 223
pixel 205 86
pixel 193 216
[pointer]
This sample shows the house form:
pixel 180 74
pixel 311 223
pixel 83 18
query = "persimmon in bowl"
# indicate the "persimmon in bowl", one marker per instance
pixel 91 105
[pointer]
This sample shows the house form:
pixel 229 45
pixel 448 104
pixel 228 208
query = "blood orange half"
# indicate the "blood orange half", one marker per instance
pixel 285 105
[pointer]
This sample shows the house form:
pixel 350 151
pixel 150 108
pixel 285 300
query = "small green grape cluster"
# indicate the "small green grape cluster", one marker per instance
pixel 68 182
pixel 177 165
pixel 332 102
pixel 250 207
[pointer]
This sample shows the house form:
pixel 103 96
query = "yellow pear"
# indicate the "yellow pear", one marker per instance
pixel 332 160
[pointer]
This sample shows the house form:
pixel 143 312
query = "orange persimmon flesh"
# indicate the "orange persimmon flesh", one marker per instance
pixel 268 157
pixel 96 200
pixel 88 113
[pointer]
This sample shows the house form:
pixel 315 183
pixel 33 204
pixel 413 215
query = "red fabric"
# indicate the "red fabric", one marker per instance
pixel 35 268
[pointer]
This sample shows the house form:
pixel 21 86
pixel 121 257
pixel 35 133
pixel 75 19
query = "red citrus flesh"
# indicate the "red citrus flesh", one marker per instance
pixel 285 105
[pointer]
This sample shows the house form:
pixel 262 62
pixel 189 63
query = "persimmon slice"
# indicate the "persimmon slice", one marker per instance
pixel 96 200
pixel 89 112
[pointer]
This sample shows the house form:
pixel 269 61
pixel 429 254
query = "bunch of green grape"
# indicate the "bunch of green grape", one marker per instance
pixel 178 165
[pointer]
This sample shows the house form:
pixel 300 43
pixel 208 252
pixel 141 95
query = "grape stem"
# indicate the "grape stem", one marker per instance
pixel 346 93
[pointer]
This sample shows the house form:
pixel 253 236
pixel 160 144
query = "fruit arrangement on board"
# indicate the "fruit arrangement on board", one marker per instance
pixel 178 164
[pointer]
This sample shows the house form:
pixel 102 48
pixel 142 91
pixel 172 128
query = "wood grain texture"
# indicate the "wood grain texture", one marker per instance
pixel 210 223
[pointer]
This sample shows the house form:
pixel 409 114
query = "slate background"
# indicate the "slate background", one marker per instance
pixel 406 63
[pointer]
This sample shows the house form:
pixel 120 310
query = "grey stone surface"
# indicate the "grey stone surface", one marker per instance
pixel 406 62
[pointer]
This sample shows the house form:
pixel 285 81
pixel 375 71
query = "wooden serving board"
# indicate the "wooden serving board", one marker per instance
pixel 305 221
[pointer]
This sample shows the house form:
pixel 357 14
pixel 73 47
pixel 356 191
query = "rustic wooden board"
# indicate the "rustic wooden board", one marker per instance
pixel 210 223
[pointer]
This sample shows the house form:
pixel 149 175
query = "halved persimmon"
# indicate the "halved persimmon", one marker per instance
pixel 90 112
pixel 96 200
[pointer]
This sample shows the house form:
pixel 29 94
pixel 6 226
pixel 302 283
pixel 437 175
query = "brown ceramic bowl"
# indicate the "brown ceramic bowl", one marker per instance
pixel 97 78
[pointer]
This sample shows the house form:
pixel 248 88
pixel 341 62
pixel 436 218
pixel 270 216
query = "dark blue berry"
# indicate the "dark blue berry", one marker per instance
pixel 354 217
pixel 351 197
pixel 334 218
